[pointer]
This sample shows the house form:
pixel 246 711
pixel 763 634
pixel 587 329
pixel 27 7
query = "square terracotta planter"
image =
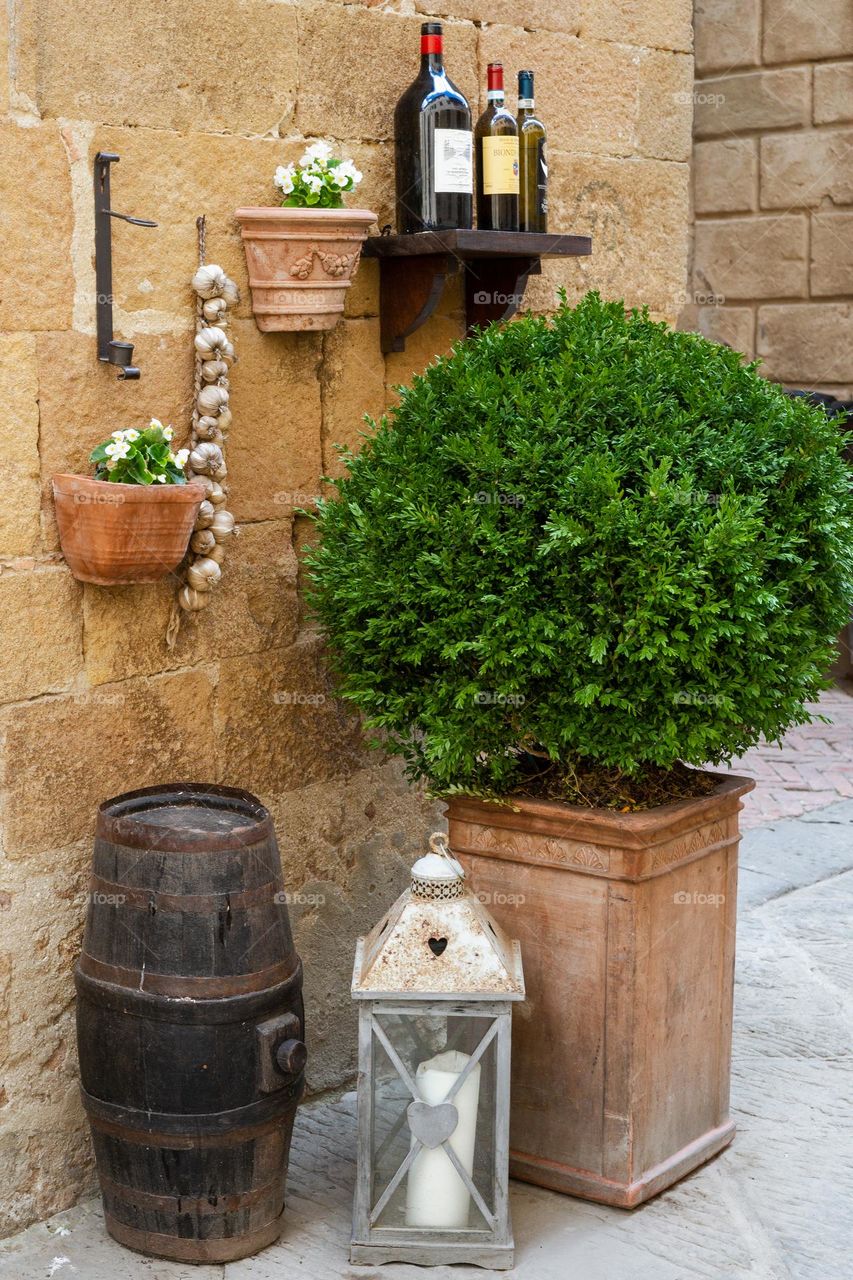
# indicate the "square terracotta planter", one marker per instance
pixel 621 1054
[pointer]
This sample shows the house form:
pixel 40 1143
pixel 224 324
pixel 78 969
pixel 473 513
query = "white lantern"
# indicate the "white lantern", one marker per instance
pixel 435 979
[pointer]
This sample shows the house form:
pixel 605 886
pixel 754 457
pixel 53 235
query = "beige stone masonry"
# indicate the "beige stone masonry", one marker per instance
pixel 202 101
pixel 773 185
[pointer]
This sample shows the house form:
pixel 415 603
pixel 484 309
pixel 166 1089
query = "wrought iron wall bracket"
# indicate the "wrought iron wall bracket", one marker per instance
pixel 110 349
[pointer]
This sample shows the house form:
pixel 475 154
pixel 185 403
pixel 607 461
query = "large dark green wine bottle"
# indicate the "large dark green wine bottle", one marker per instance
pixel 533 164
pixel 496 139
pixel 433 147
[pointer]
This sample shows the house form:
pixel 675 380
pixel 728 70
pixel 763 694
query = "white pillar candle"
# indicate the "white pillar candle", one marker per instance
pixel 436 1196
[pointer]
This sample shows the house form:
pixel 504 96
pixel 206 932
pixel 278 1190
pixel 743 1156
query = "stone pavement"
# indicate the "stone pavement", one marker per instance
pixel 812 768
pixel 776 1205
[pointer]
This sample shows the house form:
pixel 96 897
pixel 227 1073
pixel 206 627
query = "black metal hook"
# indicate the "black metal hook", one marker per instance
pixel 110 350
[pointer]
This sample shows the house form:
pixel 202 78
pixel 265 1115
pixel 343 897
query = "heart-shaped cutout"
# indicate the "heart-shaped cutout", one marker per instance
pixel 437 945
pixel 432 1125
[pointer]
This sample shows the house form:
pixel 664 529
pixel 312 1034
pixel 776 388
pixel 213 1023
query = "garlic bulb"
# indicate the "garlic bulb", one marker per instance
pixel 214 310
pixel 211 370
pixel 230 292
pixel 211 399
pixel 216 494
pixel 192 600
pixel 206 512
pixel 203 574
pixel 223 525
pixel 209 342
pixel 224 419
pixel 209 432
pixel 209 280
pixel 206 459
pixel 204 481
pixel 216 553
pixel 202 541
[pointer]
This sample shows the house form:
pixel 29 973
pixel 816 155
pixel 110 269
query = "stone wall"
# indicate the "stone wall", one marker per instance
pixel 773 186
pixel 202 101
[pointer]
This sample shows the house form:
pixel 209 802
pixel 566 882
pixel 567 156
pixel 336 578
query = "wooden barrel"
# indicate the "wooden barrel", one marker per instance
pixel 190 1022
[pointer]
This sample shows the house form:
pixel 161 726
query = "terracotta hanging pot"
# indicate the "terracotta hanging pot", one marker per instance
pixel 627 924
pixel 301 263
pixel 120 533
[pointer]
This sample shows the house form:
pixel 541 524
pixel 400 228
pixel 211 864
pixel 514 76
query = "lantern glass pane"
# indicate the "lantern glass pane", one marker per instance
pixel 432 1050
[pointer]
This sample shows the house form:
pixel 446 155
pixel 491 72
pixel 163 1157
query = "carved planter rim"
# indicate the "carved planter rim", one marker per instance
pixel 629 834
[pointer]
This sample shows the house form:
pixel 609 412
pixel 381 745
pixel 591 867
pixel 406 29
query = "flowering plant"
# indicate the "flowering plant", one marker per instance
pixel 319 179
pixel 140 457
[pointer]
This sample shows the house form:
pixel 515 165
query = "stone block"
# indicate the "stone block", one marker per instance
pixel 19 434
pixel 732 326
pixel 794 32
pixel 757 100
pixel 655 24
pixel 203 66
pixel 664 125
pixel 274 447
pixel 308 735
pixel 807 345
pixel 728 34
pixel 832 254
pixel 344 92
pixel 752 257
pixel 254 607
pixel 587 91
pixel 805 169
pixel 42 649
pixel 36 281
pixel 81 401
pixel 353 380
pixel 95 744
pixel 346 850
pixel 833 92
pixel 363 296
pixel 725 175
pixel 548 15
pixel 636 211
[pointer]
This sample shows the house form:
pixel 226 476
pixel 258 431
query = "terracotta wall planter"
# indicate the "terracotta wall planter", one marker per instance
pixel 627 927
pixel 119 533
pixel 301 263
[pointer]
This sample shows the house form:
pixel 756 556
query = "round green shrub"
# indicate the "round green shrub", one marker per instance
pixel 591 538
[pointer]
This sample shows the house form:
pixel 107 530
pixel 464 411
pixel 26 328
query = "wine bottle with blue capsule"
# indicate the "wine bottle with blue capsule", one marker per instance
pixel 533 164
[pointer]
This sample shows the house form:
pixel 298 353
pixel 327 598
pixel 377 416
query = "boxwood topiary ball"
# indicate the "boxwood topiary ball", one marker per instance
pixel 588 541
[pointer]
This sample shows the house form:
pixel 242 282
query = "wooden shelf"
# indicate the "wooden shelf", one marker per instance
pixel 496 265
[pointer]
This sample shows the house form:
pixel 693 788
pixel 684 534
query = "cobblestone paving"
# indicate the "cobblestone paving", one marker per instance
pixel 813 767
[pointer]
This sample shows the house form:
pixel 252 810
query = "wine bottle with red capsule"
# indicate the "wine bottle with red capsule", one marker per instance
pixel 433 146
pixel 496 140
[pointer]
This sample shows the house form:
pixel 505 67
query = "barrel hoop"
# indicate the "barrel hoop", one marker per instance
pixel 230 1202
pixel 117 824
pixel 223 1125
pixel 173 984
pixel 180 1249
pixel 156 1008
pixel 186 903
pixel 187 1141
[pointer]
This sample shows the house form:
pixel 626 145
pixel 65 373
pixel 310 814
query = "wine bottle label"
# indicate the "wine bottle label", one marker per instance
pixel 453 168
pixel 526 103
pixel 500 166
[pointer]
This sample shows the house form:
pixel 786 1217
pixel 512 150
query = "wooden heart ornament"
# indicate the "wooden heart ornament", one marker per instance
pixel 432 1125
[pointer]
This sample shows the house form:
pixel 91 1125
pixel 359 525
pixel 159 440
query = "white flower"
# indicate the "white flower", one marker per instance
pixel 168 433
pixel 317 151
pixel 181 458
pixel 171 456
pixel 131 434
pixel 161 479
pixel 155 422
pixel 110 449
pixel 283 178
pixel 314 183
pixel 348 170
pixel 119 450
pixel 118 435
